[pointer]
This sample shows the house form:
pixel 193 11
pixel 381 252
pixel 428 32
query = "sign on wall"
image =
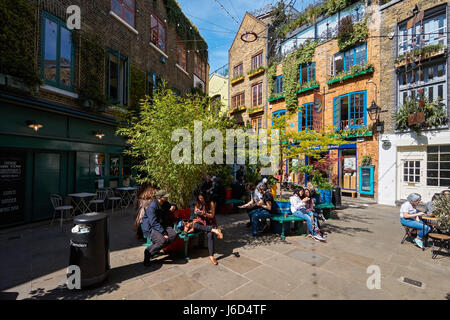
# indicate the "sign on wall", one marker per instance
pixel 12 188
pixel 317 112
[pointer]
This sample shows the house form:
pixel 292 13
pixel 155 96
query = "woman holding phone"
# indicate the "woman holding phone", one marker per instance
pixel 206 221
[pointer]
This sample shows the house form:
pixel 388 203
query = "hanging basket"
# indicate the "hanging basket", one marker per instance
pixel 416 118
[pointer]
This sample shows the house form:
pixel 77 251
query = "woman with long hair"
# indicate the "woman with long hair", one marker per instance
pixel 206 221
pixel 144 197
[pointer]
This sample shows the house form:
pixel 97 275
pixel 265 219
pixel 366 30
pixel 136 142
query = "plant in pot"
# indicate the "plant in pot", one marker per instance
pixel 366 161
pixel 442 211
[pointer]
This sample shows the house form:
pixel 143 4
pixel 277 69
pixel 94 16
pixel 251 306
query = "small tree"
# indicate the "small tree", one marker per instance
pixel 442 211
pixel 150 142
pixel 294 143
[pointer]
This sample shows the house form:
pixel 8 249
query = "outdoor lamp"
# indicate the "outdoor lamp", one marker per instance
pixel 33 124
pixel 373 111
pixel 99 135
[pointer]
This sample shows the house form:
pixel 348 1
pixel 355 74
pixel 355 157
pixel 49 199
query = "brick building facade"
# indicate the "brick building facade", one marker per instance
pixel 413 162
pixel 74 147
pixel 345 101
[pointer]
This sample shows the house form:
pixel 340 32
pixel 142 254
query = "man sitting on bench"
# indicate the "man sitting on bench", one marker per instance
pixel 156 225
pixel 263 210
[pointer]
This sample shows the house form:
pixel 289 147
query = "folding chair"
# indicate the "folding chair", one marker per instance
pixel 409 233
pixel 112 197
pixel 99 199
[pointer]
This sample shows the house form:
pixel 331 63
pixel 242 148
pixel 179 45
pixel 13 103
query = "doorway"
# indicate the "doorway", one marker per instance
pixel 348 169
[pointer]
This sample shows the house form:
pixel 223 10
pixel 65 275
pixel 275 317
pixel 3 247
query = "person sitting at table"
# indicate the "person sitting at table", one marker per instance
pixel 298 208
pixel 410 217
pixel 205 221
pixel 156 225
pixel 144 197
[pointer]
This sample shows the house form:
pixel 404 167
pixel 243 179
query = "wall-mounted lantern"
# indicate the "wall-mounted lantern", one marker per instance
pixel 99 135
pixel 33 124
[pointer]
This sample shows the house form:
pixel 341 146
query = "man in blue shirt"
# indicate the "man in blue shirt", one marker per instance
pixel 156 225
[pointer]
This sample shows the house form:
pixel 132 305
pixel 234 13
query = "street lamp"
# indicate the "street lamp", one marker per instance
pixel 374 111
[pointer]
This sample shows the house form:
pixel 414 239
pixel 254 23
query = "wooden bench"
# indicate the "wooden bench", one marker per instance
pixel 353 193
pixel 282 219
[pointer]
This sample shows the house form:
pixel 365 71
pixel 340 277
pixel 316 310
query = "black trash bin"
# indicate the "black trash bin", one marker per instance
pixel 89 247
pixel 336 197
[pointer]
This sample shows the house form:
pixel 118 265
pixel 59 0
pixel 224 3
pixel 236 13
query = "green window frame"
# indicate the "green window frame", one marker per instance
pixel 125 81
pixel 59 25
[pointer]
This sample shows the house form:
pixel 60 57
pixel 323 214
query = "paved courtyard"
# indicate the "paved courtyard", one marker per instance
pixel 34 260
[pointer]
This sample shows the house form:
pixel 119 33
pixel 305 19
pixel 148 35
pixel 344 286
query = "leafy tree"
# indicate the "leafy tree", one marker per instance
pixel 150 141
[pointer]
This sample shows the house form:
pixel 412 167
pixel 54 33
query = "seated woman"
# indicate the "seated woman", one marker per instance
pixel 206 221
pixel 298 208
pixel 144 197
pixel 309 204
pixel 410 217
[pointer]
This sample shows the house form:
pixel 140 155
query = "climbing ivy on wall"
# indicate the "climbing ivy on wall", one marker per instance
pixel 17 42
pixel 350 34
pixel 303 55
pixel 185 29
pixel 137 88
pixel 271 76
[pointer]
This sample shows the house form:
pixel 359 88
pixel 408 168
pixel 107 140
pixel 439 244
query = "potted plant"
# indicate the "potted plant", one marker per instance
pixel 442 211
pixel 366 161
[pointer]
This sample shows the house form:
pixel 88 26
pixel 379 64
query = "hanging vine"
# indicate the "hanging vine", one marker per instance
pixel 17 51
pixel 271 76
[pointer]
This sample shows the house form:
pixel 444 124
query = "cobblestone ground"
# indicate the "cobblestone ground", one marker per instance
pixel 34 260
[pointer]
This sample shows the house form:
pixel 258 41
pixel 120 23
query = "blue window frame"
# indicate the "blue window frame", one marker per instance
pixel 345 60
pixel 57 53
pixel 277 114
pixel 350 111
pixel 278 87
pixel 305 117
pixel 307 73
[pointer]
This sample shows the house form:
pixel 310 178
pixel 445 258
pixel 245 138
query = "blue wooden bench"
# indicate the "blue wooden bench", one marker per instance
pixel 282 208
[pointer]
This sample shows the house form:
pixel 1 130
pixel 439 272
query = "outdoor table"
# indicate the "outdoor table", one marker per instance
pixel 428 220
pixel 126 196
pixel 80 204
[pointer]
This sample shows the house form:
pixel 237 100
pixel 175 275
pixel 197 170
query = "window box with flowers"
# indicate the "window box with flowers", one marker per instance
pixel 256 72
pixel 355 71
pixel 237 109
pixel 255 110
pixel 426 52
pixel 237 79
pixel 311 85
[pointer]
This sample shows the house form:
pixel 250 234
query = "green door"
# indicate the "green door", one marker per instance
pixel 46 181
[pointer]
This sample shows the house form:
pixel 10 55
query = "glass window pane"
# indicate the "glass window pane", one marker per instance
pixel 432 182
pixel 432 157
pixel 441 91
pixel 113 77
pixel 418 164
pixel 445 157
pixel 432 173
pixel 411 171
pixel 445 182
pixel 444 174
pixel 129 3
pixel 445 149
pixel 128 17
pixel 441 70
pixel 433 149
pixel 430 94
pixel 65 60
pixel 417 178
pixel 116 7
pixel 405 178
pixel 411 164
pixel 432 165
pixel 417 171
pixel 304 74
pixel 51 36
pixel 444 165
pixel 405 171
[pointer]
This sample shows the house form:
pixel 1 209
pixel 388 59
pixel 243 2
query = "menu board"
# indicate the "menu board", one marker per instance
pixel 12 187
pixel 366 180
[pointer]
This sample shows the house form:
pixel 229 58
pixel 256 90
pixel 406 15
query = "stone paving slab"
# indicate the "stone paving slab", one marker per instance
pixel 35 261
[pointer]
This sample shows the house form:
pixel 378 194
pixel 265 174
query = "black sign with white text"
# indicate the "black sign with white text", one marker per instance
pixel 12 187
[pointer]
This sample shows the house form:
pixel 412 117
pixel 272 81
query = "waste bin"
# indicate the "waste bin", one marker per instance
pixel 89 247
pixel 336 197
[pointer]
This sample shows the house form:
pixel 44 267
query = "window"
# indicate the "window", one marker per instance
pixel 238 100
pixel 433 32
pixel 158 33
pixel 431 80
pixel 181 54
pixel 257 124
pixel 117 80
pixel 257 61
pixel 305 117
pixel 199 67
pixel 438 166
pixel 349 111
pixel 307 73
pixel 278 86
pixel 124 9
pixel 257 94
pixel 238 70
pixel 57 67
pixel 278 114
pixel 153 83
pixel 344 61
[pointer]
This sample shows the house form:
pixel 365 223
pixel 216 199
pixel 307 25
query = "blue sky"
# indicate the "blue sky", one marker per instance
pixel 217 27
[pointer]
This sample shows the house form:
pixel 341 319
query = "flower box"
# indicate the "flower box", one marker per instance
pixel 236 80
pixel 308 88
pixel 236 110
pixel 350 76
pixel 256 72
pixel 255 110
pixel 414 56
pixel 276 98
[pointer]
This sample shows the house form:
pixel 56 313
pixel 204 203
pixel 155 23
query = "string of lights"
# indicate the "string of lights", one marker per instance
pixel 227 12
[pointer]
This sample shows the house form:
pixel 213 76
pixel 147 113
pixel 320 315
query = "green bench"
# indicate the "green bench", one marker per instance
pixel 185 236
pixel 282 219
pixel 326 207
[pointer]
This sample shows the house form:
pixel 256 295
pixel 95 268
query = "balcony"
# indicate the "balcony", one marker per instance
pixel 426 52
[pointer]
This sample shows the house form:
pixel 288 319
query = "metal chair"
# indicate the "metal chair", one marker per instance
pixel 58 205
pixel 112 197
pixel 99 199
